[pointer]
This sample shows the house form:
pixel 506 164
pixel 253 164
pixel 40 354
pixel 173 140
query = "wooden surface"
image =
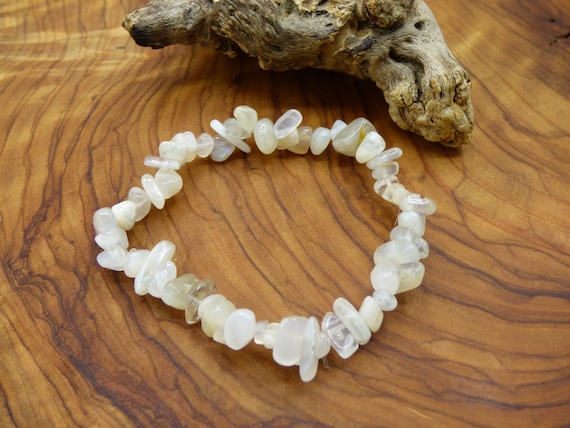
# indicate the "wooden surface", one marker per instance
pixel 484 342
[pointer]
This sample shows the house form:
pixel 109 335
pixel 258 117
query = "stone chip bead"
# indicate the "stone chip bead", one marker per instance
pixel 371 146
pixel 266 333
pixel 187 143
pixel 389 155
pixel 385 299
pixel 116 237
pixel 198 292
pixel 141 200
pixel 246 117
pixel 320 140
pixel 349 138
pixel 371 312
pixel 169 182
pixel 213 311
pixel 415 202
pixel 135 261
pixel 112 258
pixel 308 358
pixel 287 347
pixel 232 132
pixel 397 252
pixel 287 123
pixel 302 147
pixel 104 220
pixel 341 339
pixel 204 145
pixel 350 317
pixel 156 260
pixel 238 330
pixel 401 232
pixel 175 292
pixel 412 220
pixel 222 150
pixel 161 277
pixel 174 150
pixel 153 191
pixel 264 136
pixel 410 276
pixel 385 276
pixel 125 213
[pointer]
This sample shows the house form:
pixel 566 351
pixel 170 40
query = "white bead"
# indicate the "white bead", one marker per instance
pixel 116 237
pixel 372 145
pixel 239 329
pixel 338 126
pixel 395 193
pixel 384 276
pixel 187 140
pixel 264 136
pixel 159 255
pixel 413 221
pixel 397 252
pixel 386 156
pixel 302 147
pixel 204 145
pixel 125 213
pixel 386 300
pixel 308 360
pixel 384 170
pixel 232 132
pixel 175 292
pixel 287 348
pixel 350 317
pixel 371 312
pixel 112 258
pixel 266 333
pixel 199 290
pixel 320 140
pixel 152 190
pixel 411 276
pixel 290 140
pixel 323 346
pixel 342 341
pixel 246 117
pixel 135 261
pixel 158 162
pixel 169 182
pixel 104 220
pixel 174 150
pixel 141 200
pixel 401 232
pixel 415 202
pixel 213 311
pixel 223 149
pixel 161 276
pixel 287 123
pixel 350 137
pixel 381 186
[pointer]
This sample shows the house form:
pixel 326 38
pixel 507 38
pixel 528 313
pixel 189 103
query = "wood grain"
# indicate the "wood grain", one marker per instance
pixel 484 342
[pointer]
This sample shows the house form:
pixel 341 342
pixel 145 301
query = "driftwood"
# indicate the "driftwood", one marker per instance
pixel 396 43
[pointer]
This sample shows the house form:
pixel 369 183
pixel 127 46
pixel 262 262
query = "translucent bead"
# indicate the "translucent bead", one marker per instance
pixel 342 341
pixel 266 333
pixel 302 147
pixel 401 232
pixel 135 261
pixel 349 138
pixel 411 276
pixel 308 359
pixel 161 277
pixel 386 156
pixel 290 140
pixel 125 213
pixel 238 329
pixel 158 162
pixel 232 132
pixel 104 220
pixel 323 346
pixel 159 255
pixel 169 182
pixel 350 317
pixel 287 348
pixel 213 311
pixel 372 145
pixel 112 238
pixel 386 300
pixel 246 117
pixel 223 149
pixel 371 312
pixel 415 202
pixel 380 186
pixel 264 136
pixel 152 190
pixel 287 123
pixel 338 126
pixel 174 150
pixel 384 170
pixel 395 193
pixel 198 292
pixel 112 258
pixel 204 145
pixel 320 140
pixel 141 200
pixel 175 292
pixel 188 141
pixel 397 252
pixel 413 220
pixel 384 276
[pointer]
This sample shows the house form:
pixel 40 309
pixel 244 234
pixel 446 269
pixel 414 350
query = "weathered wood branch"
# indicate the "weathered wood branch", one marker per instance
pixel 396 43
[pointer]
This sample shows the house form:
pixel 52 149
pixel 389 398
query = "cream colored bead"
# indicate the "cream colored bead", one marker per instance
pixel 384 276
pixel 371 313
pixel 264 136
pixel 238 330
pixel 112 258
pixel 320 140
pixel 232 132
pixel 350 317
pixel 152 190
pixel 159 255
pixel 290 140
pixel 141 200
pixel 188 141
pixel 213 311
pixel 223 149
pixel 413 220
pixel 287 348
pixel 161 277
pixel 372 145
pixel 104 220
pixel 337 126
pixel 204 145
pixel 302 147
pixel 397 252
pixel 308 359
pixel 266 333
pixel 112 238
pixel 174 150
pixel 175 292
pixel 411 276
pixel 135 261
pixel 350 137
pixel 169 182
pixel 126 214
pixel 246 117
pixel 287 123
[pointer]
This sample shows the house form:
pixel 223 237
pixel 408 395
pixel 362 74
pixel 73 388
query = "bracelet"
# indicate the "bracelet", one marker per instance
pixel 295 340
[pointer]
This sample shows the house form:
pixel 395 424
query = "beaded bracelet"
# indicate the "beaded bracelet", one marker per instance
pixel 295 340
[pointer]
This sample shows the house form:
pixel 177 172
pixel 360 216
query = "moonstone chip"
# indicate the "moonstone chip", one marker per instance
pixel 213 311
pixel 188 140
pixel 380 186
pixel 384 170
pixel 126 214
pixel 350 317
pixel 174 150
pixel 287 123
pixel 302 147
pixel 395 193
pixel 112 238
pixel 152 190
pixel 371 312
pixel 141 200
pixel 198 292
pixel 239 329
pixel 264 136
pixel 223 149
pixel 342 341
pixel 397 252
pixel 320 140
pixel 387 301
pixel 385 276
pixel 415 202
pixel 204 145
pixel 246 117
pixel 169 182
pixel 349 138
pixel 372 145
pixel 159 255
pixel 175 292
pixel 158 162
pixel 386 156
pixel 413 220
pixel 411 276
pixel 161 276
pixel 287 348
pixel 308 360
pixel 112 258
pixel 290 140
pixel 266 333
pixel 401 232
pixel 104 220
pixel 135 261
pixel 338 126
pixel 232 132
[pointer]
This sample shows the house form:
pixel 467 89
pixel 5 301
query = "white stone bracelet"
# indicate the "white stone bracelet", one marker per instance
pixel 295 340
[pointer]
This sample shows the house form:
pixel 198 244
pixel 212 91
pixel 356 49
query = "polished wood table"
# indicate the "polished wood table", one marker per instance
pixel 484 342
